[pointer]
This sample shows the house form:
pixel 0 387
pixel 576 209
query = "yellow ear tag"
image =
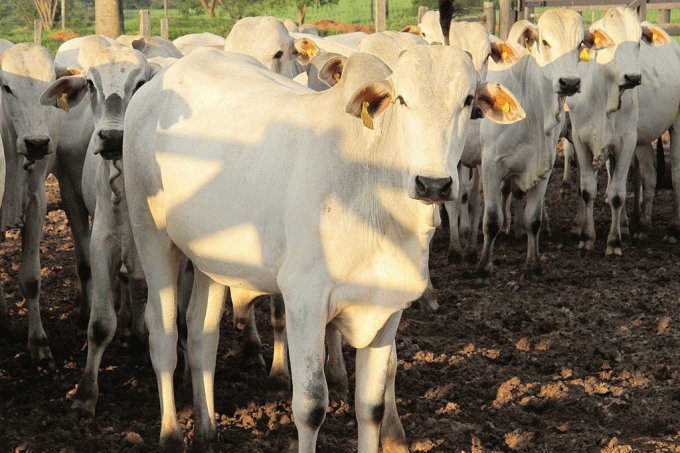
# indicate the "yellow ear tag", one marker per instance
pixel 504 55
pixel 337 77
pixel 366 117
pixel 62 102
pixel 309 53
pixel 597 40
pixel 585 56
pixel 654 37
pixel 506 108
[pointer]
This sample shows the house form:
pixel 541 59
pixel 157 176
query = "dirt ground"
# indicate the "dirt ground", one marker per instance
pixel 585 360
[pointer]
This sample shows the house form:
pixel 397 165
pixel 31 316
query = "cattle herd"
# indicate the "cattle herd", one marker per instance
pixel 209 171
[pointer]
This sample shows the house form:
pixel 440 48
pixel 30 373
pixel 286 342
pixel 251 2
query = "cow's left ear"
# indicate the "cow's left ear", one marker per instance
pixel 413 29
pixel 65 93
pixel 331 72
pixel 597 39
pixel 501 53
pixel 370 100
pixel 654 36
pixel 305 50
pixel 498 103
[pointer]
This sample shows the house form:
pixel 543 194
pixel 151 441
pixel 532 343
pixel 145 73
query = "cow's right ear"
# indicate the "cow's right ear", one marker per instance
pixel 331 72
pixel 413 29
pixel 65 93
pixel 305 50
pixel 498 103
pixel 370 100
pixel 597 39
pixel 528 36
pixel 501 53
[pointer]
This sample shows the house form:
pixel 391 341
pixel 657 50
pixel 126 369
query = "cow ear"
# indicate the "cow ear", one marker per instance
pixel 63 71
pixel 597 39
pixel 654 36
pixel 413 29
pixel 498 103
pixel 65 93
pixel 331 72
pixel 370 100
pixel 528 36
pixel 501 53
pixel 305 50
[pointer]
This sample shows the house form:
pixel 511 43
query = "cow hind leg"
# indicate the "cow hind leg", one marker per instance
pixel 392 435
pixel 244 321
pixel 336 373
pixel 533 219
pixel 673 233
pixel 279 374
pixel 493 220
pixel 203 324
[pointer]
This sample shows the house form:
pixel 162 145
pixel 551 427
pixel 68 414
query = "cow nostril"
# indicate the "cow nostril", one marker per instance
pixel 633 80
pixel 570 85
pixel 434 189
pixel 421 187
pixel 445 191
pixel 37 146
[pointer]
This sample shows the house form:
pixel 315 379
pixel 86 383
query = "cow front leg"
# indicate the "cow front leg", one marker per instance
pixel 588 186
pixel 493 217
pixel 103 321
pixel 476 207
pixel 279 375
pixel 372 370
pixel 392 435
pixel 336 373
pixel 29 271
pixel 533 219
pixel 203 324
pixel 616 192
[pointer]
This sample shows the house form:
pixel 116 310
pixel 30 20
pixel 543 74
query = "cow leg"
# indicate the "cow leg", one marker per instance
pixel 70 174
pixel 646 172
pixel 533 219
pixel 203 324
pixel 185 283
pixel 244 320
pixel 616 192
pixel 305 328
pixel 372 370
pixel 476 204
pixel 506 192
pixel 588 184
pixel 6 329
pixel 279 375
pixel 568 149
pixel 105 251
pixel 336 373
pixel 493 217
pixel 29 272
pixel 392 436
pixel 455 212
pixel 519 202
pixel 674 227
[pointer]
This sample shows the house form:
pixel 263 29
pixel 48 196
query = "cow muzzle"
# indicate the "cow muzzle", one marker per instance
pixel 111 144
pixel 433 190
pixel 36 148
pixel 569 85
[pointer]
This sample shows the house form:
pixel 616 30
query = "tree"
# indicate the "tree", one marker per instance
pixel 46 10
pixel 209 7
pixel 302 6
pixel 108 18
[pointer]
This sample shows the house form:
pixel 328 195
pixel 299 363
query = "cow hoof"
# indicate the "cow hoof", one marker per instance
pixel 616 251
pixel 278 386
pixel 397 446
pixel 79 411
pixel 670 239
pixel 455 258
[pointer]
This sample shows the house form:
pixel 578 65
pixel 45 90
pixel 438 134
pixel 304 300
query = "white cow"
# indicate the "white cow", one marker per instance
pixel 110 76
pixel 604 118
pixel 188 43
pixel 328 198
pixel 659 104
pixel 266 39
pixel 429 28
pixel 351 39
pixel 28 135
pixel 524 153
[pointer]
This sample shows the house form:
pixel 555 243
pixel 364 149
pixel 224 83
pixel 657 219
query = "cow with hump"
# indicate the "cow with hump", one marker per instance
pixel 329 198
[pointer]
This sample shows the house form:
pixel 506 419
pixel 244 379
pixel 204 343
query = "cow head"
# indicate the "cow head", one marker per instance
pixel 428 28
pixel 430 97
pixel 110 77
pixel 26 70
pixel 267 40
pixel 555 44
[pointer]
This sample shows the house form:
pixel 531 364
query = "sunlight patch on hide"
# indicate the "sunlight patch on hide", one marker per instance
pixel 192 174
pixel 244 245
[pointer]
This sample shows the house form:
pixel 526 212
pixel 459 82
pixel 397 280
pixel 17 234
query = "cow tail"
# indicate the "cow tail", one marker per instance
pixel 445 18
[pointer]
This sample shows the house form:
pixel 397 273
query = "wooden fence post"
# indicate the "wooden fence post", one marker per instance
pixel 37 32
pixel 380 15
pixel 506 17
pixel 164 28
pixel 664 16
pixel 642 10
pixel 144 23
pixel 490 14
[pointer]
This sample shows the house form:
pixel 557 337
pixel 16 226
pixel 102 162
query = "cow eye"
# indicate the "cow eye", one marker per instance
pixel 400 100
pixel 7 89
pixel 139 85
pixel 469 100
pixel 90 85
pixel 278 54
pixel 545 43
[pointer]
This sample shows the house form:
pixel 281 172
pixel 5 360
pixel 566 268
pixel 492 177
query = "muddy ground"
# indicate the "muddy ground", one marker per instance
pixel 585 360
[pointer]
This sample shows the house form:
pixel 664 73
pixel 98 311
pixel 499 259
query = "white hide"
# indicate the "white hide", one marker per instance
pixel 188 43
pixel 267 195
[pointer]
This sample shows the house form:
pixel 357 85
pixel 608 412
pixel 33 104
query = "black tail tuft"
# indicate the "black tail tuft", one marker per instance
pixel 445 17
